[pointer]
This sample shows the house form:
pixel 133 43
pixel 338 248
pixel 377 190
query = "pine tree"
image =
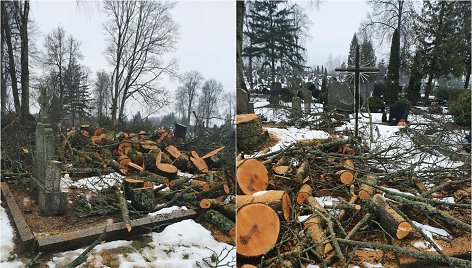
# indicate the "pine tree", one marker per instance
pixel 393 72
pixel 438 33
pixel 273 35
pixel 414 83
pixel 368 58
pixel 351 59
pixel 76 93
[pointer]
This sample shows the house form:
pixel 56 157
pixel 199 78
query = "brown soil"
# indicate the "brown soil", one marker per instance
pixel 44 226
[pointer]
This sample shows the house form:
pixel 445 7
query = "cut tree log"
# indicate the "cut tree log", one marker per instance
pixel 179 159
pixel 143 198
pixel 281 170
pixel 123 160
pixel 136 167
pixel 212 159
pixel 366 191
pixel 302 171
pixel 390 220
pixel 303 193
pixel 252 176
pixel 129 184
pixel 314 230
pixel 199 163
pixel 167 170
pixel 216 190
pixel 345 176
pixel 124 209
pixel 229 210
pixel 278 200
pixel 200 185
pixel 257 229
pixel 221 222
pixel 347 163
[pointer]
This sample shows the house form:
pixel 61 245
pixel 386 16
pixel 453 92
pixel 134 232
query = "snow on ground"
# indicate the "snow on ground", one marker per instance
pixel 7 258
pixel 180 245
pixel 292 134
pixel 282 112
pixel 327 200
pixel 370 265
pixel 429 231
pixel 167 210
pixel 98 182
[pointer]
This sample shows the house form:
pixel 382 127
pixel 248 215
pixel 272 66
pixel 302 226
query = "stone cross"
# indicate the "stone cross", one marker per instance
pixel 45 183
pixel 357 70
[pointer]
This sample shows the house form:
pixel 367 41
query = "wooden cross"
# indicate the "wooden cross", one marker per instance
pixel 357 70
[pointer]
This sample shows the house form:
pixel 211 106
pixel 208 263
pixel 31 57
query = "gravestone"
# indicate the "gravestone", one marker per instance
pixel 45 183
pixel 242 101
pixel 340 97
pixel 306 95
pixel 296 108
pixel 275 90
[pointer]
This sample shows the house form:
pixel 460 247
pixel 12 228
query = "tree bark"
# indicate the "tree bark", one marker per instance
pixel 24 60
pixel 11 58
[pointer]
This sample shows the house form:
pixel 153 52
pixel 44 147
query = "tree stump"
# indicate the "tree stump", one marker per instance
pixel 252 176
pixel 249 131
pixel 257 229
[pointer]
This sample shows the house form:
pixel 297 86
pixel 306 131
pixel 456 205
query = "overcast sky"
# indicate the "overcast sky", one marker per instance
pixel 207 33
pixel 334 24
pixel 206 29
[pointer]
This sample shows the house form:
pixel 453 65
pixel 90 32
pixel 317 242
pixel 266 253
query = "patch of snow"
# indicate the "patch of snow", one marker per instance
pixel 260 193
pixel 312 266
pixel 327 200
pixel 303 218
pixel 183 244
pixel 184 174
pixel 448 199
pixel 7 245
pixel 370 265
pixel 421 244
pixel 167 210
pixel 432 230
pixel 97 183
pixel 398 191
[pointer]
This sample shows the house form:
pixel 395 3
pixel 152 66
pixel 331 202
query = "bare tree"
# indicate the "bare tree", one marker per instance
pixel 140 33
pixel 388 15
pixel 191 83
pixel 207 103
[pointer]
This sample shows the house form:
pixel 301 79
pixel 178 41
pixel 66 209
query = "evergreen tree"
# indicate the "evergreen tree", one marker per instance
pixel 351 59
pixel 393 72
pixel 76 93
pixel 368 58
pixel 439 33
pixel 414 83
pixel 382 71
pixel 273 34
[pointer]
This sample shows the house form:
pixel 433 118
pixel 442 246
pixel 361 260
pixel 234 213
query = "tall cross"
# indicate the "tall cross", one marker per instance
pixel 357 70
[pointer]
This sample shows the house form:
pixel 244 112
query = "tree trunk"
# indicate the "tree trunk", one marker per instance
pixel 390 220
pixel 257 229
pixel 3 97
pixel 24 61
pixel 278 200
pixel 239 44
pixel 11 58
pixel 428 88
pixel 467 76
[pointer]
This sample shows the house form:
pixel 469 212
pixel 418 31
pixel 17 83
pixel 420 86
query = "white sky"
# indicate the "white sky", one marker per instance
pixel 334 24
pixel 206 28
pixel 207 34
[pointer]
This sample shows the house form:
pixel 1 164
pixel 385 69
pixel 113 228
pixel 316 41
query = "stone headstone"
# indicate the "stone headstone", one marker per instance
pixel 296 108
pixel 45 183
pixel 340 97
pixel 242 101
pixel 275 90
pixel 307 99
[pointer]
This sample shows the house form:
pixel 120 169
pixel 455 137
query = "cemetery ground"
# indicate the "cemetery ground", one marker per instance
pixel 133 199
pixel 312 195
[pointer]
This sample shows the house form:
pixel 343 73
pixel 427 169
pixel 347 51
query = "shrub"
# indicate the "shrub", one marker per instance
pixel 460 108
pixel 375 104
pixel 444 93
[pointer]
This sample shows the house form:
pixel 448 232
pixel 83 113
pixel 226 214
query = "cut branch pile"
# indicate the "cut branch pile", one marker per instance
pixel 283 221
pixel 152 166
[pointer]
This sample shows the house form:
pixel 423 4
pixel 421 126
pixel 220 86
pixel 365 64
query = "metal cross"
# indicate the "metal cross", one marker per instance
pixel 357 70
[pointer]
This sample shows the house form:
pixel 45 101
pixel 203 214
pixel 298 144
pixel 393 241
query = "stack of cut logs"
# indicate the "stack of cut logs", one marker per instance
pixel 152 165
pixel 276 188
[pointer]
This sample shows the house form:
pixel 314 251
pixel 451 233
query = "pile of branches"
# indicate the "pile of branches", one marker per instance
pixel 281 223
pixel 157 170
